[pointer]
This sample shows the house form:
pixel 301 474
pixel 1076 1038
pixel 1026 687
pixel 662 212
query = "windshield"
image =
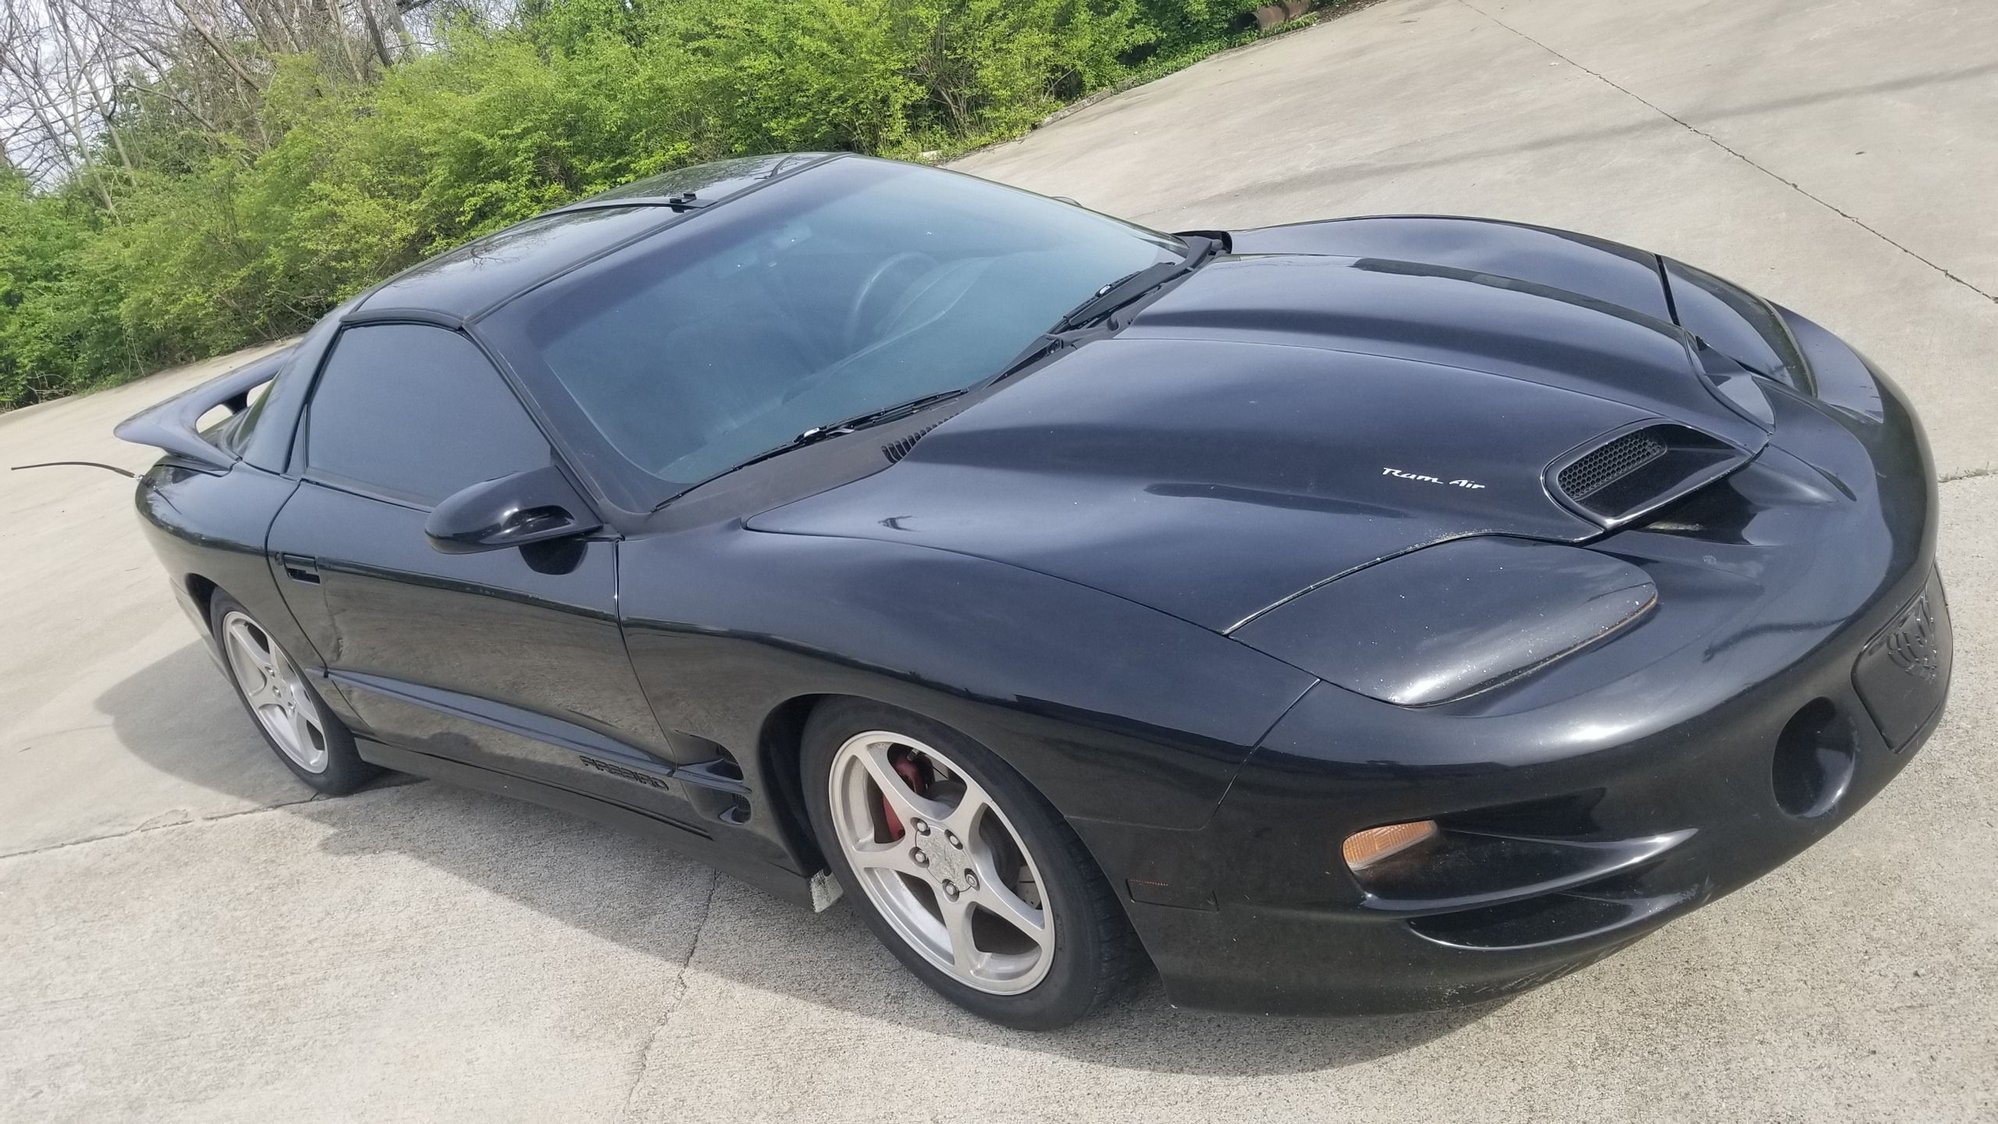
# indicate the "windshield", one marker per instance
pixel 856 286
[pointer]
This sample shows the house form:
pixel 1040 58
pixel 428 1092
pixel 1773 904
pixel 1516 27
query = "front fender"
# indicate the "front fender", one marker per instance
pixel 1111 710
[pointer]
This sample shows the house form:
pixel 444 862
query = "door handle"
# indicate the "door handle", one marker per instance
pixel 300 568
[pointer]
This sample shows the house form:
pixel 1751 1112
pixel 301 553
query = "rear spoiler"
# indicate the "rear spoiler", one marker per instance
pixel 173 425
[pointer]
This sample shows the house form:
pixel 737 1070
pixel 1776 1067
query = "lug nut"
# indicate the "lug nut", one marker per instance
pixel 952 837
pixel 950 890
pixel 970 880
pixel 921 827
pixel 916 854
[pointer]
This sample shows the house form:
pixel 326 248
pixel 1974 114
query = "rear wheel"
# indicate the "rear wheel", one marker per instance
pixel 312 742
pixel 962 869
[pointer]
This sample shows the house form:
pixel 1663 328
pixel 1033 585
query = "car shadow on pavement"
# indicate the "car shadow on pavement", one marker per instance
pixel 178 716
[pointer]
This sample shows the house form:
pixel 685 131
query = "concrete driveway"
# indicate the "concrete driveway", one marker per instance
pixel 183 934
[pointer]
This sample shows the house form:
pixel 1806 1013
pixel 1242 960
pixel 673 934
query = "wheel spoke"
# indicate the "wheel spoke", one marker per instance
pixel 252 647
pixel 1000 901
pixel 995 893
pixel 907 803
pixel 957 924
pixel 248 663
pixel 261 694
pixel 964 819
pixel 896 857
pixel 303 728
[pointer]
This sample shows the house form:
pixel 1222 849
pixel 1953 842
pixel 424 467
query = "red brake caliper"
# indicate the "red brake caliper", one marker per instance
pixel 909 771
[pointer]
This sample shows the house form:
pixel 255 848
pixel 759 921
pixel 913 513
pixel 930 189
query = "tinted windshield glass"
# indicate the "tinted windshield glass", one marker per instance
pixel 859 285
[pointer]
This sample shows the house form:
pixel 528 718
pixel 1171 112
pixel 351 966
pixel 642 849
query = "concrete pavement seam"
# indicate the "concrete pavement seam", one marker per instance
pixel 1724 147
pixel 145 829
pixel 679 995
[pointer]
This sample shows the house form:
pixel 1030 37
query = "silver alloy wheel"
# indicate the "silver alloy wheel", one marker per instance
pixel 276 692
pixel 936 855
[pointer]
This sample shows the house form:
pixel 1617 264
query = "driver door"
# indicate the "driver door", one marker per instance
pixel 508 660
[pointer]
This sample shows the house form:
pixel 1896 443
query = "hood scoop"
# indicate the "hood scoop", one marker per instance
pixel 1617 481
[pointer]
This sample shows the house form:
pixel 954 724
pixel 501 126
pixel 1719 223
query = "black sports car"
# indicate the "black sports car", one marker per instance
pixel 1351 616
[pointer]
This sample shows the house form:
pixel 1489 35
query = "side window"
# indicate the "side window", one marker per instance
pixel 415 413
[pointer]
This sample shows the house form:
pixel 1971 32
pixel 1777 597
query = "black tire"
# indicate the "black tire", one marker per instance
pixel 1096 955
pixel 343 770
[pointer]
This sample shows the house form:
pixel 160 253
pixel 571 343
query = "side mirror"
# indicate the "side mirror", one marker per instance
pixel 527 507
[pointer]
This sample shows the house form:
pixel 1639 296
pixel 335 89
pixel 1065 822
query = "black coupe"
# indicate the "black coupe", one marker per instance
pixel 1351 616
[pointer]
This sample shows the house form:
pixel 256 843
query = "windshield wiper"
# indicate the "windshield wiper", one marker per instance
pixel 1131 286
pixel 1115 295
pixel 845 426
pixel 872 417
pixel 1103 302
pixel 820 433
pixel 1034 352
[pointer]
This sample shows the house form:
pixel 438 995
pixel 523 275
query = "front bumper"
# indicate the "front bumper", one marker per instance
pixel 1798 657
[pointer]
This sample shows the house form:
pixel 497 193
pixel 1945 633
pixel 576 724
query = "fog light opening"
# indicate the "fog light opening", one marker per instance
pixel 1814 760
pixel 1363 849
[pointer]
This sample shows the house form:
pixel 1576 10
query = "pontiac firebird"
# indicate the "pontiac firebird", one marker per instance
pixel 1351 616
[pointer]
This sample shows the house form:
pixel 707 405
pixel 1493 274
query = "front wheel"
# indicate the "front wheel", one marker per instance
pixel 309 738
pixel 962 869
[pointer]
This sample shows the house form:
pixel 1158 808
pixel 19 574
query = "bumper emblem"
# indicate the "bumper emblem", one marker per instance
pixel 1912 644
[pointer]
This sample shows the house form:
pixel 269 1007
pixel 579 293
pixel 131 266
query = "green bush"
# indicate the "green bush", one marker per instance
pixel 214 237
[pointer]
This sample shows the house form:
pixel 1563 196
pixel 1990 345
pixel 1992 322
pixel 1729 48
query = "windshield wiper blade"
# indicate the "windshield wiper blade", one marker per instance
pixel 871 417
pixel 845 426
pixel 1117 294
pixel 1043 344
pixel 1133 285
pixel 1103 302
pixel 820 433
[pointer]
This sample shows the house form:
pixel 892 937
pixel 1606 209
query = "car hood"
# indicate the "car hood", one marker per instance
pixel 1276 421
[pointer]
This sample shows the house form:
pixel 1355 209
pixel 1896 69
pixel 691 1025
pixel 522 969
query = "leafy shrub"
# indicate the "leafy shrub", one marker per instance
pixel 226 233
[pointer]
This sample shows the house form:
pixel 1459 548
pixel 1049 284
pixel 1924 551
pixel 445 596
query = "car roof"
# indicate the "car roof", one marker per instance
pixel 464 282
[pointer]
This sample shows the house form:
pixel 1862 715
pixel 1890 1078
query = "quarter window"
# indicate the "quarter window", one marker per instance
pixel 414 413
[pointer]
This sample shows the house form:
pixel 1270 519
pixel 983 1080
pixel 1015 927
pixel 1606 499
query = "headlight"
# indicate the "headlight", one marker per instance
pixel 1450 620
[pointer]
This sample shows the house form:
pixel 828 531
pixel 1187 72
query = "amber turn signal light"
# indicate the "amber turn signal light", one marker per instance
pixel 1365 848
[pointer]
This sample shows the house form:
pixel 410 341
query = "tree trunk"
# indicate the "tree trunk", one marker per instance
pixel 337 27
pixel 220 48
pixel 375 33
